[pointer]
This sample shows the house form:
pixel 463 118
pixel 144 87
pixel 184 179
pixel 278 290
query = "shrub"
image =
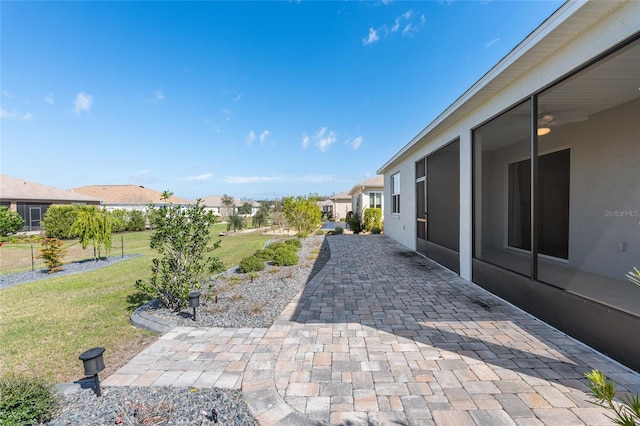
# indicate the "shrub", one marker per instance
pixel 52 252
pixel 10 222
pixel 183 241
pixel 376 230
pixel 251 264
pixel 355 222
pixel 294 242
pixel 119 220
pixel 372 218
pixel 261 254
pixel 137 221
pixel 284 257
pixel 603 393
pixel 25 401
pixel 338 230
pixel 57 221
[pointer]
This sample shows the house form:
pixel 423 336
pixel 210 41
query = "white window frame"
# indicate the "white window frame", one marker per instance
pixel 395 193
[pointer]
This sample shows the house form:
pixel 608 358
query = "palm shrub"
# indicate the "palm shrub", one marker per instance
pixel 634 276
pixel 603 392
pixel 25 401
pixel 183 241
pixel 338 230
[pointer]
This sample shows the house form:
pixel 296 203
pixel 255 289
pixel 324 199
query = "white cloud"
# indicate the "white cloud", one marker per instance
pixel 305 141
pixel 6 93
pixel 250 138
pixel 14 115
pixel 355 143
pixel 371 38
pixel 238 97
pixel 324 139
pixel 49 99
pixel 205 177
pixel 159 96
pixel 251 179
pixel 315 179
pixel 83 102
pixel 264 135
pixel 409 23
pixel 491 43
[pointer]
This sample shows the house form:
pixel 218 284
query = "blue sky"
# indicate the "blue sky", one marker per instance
pixel 252 99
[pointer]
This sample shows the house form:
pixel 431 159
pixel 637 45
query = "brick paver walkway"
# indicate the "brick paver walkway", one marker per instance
pixel 383 336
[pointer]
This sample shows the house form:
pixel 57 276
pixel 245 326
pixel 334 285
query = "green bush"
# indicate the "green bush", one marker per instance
pixel 338 230
pixel 137 221
pixel 294 242
pixel 262 254
pixel 25 401
pixel 57 221
pixel 284 257
pixel 626 411
pixel 355 222
pixel 10 222
pixel 372 219
pixel 251 264
pixel 376 230
pixel 119 220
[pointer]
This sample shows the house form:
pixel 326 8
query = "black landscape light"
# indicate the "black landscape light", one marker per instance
pixel 93 364
pixel 194 302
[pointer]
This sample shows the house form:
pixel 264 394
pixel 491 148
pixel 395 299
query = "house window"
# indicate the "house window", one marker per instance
pixel 375 200
pixel 395 193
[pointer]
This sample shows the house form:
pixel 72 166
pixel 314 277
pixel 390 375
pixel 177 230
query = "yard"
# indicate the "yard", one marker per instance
pixel 45 325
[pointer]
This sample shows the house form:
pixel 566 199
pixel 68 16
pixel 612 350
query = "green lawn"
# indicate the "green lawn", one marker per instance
pixel 46 324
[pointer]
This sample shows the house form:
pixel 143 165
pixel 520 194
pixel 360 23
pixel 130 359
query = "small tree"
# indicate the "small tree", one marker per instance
pixel 261 216
pixel 245 208
pixel 229 205
pixel 354 220
pixel 235 222
pixel 52 251
pixel 93 226
pixel 302 213
pixel 183 241
pixel 10 222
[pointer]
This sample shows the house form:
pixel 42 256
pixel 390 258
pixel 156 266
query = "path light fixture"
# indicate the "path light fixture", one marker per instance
pixel 93 364
pixel 194 302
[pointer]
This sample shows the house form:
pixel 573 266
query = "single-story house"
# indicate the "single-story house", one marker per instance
pixel 214 203
pixel 368 194
pixel 340 205
pixel 529 183
pixel 31 200
pixel 129 197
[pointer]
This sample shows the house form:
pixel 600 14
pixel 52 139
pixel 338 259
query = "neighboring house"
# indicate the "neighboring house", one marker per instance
pixel 341 205
pixel 214 204
pixel 327 208
pixel 557 235
pixel 31 200
pixel 129 197
pixel 368 194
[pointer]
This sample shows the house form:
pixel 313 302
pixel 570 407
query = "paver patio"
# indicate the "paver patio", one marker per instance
pixel 383 336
